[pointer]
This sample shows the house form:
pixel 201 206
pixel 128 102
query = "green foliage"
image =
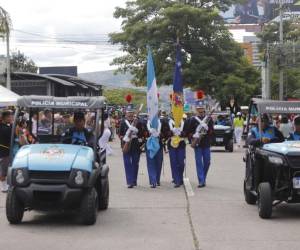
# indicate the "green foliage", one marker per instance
pixel 209 53
pixel 21 63
pixel 283 56
pixel 5 23
pixel 117 96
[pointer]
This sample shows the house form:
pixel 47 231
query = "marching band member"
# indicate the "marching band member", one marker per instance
pixel 132 134
pixel 154 154
pixel 177 151
pixel 202 128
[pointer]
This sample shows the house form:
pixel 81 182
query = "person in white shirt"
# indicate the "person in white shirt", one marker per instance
pixel 285 127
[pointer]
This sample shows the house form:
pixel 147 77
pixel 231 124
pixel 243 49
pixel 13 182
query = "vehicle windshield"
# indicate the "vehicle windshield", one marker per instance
pixel 56 126
pixel 284 122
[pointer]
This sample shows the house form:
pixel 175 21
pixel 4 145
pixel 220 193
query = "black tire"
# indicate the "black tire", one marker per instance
pixel 89 207
pixel 104 196
pixel 249 197
pixel 14 207
pixel 265 200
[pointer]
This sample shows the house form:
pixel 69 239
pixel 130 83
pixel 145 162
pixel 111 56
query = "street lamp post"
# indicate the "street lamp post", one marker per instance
pixel 8 80
pixel 281 50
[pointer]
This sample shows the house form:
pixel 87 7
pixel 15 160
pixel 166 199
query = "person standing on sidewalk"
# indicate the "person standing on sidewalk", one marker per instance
pixel 238 124
pixel 201 124
pixel 5 135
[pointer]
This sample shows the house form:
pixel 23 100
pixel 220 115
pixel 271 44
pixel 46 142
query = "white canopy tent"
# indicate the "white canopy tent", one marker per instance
pixel 7 97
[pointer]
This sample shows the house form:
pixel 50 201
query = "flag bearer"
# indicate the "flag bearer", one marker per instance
pixel 154 151
pixel 177 151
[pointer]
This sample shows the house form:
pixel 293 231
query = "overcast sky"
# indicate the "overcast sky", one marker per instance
pixel 64 32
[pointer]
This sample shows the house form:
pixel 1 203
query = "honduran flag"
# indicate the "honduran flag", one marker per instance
pixel 152 105
pixel 152 97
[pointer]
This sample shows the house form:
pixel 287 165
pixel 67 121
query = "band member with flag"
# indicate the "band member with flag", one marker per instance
pixel 177 126
pixel 154 149
pixel 132 133
pixel 201 128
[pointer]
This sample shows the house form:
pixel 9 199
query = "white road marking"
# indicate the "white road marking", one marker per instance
pixel 188 187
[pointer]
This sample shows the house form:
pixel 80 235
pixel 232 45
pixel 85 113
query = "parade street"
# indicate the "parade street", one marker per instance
pixel 215 217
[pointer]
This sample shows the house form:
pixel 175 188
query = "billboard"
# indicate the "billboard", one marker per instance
pixel 258 11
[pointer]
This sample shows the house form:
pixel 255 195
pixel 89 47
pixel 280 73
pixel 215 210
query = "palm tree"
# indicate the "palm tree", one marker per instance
pixel 5 28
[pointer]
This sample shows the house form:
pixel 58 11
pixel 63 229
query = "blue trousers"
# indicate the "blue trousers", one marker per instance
pixel 131 164
pixel 202 156
pixel 177 160
pixel 154 166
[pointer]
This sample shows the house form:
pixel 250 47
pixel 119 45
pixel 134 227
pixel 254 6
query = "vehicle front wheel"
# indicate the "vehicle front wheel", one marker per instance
pixel 249 197
pixel 14 207
pixel 265 200
pixel 104 197
pixel 89 207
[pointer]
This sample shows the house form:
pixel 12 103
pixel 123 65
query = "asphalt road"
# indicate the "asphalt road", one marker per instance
pixel 215 217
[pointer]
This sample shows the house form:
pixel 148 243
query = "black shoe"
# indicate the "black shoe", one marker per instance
pixel 135 184
pixel 153 186
pixel 201 185
pixel 130 186
pixel 158 184
pixel 176 185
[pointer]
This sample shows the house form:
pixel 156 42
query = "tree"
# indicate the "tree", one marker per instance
pixel 209 52
pixel 286 56
pixel 5 23
pixel 20 62
pixel 117 96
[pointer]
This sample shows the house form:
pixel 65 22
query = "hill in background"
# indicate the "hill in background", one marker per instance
pixel 109 79
pixel 122 82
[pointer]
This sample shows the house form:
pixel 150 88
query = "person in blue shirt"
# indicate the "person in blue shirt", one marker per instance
pixel 221 120
pixel 269 133
pixel 78 134
pixel 296 135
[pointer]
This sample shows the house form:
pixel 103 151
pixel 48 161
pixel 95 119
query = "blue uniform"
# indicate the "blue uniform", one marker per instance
pixel 270 132
pixel 178 156
pixel 132 158
pixel 154 165
pixel 202 150
pixel 294 137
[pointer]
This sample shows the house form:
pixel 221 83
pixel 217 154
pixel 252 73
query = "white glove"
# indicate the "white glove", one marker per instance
pixel 154 132
pixel 196 135
pixel 204 126
pixel 176 131
pixel 133 129
pixel 126 137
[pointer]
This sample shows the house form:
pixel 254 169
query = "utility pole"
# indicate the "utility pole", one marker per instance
pixel 268 70
pixel 281 50
pixel 8 80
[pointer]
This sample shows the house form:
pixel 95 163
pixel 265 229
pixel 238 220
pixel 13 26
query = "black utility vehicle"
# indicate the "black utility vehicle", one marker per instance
pixel 272 173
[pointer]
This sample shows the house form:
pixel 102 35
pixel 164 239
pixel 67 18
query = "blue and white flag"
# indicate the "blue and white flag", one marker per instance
pixel 152 106
pixel 152 97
